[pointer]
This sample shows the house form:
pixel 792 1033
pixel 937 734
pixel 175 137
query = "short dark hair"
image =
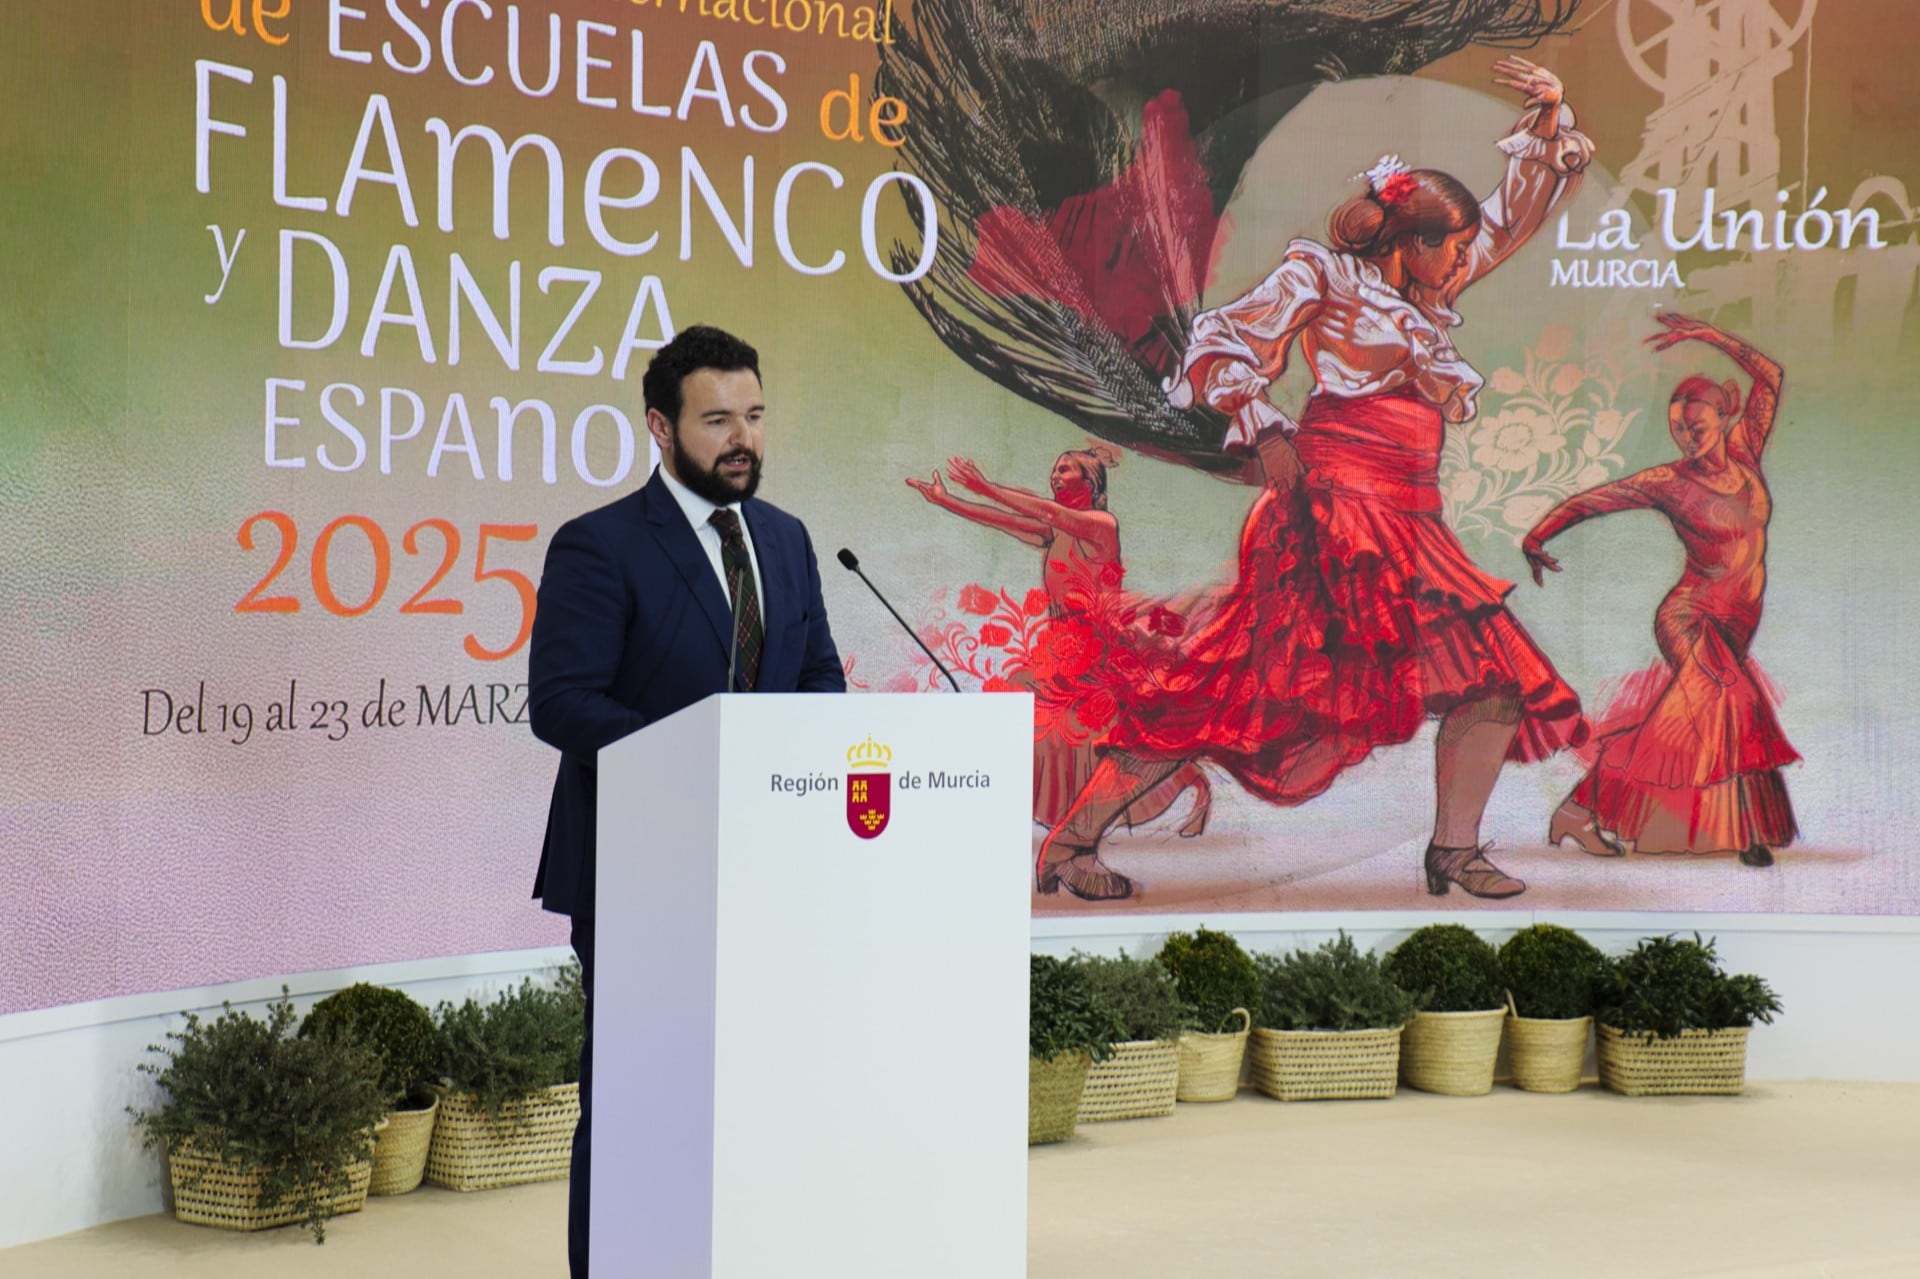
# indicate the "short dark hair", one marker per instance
pixel 700 347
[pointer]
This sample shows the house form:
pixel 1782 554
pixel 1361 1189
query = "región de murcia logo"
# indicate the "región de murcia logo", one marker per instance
pixel 869 788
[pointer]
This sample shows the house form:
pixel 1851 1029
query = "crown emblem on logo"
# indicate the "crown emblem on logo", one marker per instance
pixel 869 755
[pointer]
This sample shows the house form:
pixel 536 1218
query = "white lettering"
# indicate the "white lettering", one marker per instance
pixel 226 260
pixel 204 125
pixel 338 323
pixel 590 282
pixel 275 421
pixel 782 234
pixel 929 221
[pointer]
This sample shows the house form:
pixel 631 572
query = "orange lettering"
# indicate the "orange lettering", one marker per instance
pixel 232 22
pixel 895 114
pixel 850 96
pixel 260 15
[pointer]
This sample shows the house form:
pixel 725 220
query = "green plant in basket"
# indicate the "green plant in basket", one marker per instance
pixel 393 1025
pixel 1141 991
pixel 1667 985
pixel 1552 972
pixel 522 1043
pixel 1214 974
pixel 297 1112
pixel 1448 968
pixel 570 981
pixel 1335 987
pixel 1064 1015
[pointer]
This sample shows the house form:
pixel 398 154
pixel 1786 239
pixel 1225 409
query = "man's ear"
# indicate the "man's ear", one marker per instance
pixel 660 429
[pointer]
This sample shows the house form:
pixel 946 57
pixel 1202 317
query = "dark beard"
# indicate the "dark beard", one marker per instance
pixel 709 483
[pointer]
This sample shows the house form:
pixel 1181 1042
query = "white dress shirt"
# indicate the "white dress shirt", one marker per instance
pixel 698 511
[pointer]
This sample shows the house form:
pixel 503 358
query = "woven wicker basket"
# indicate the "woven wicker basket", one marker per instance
pixel 1053 1096
pixel 1452 1053
pixel 1325 1065
pixel 531 1141
pixel 1210 1064
pixel 400 1150
pixel 1138 1082
pixel 209 1192
pixel 1696 1061
pixel 1546 1054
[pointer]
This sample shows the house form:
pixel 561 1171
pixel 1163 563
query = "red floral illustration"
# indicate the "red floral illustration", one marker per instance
pixel 1396 188
pixel 1098 708
pixel 979 601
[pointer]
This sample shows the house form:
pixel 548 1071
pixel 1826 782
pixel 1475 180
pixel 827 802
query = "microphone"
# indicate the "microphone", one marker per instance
pixel 852 562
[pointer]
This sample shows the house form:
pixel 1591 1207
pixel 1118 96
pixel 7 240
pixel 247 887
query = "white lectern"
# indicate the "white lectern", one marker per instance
pixel 811 989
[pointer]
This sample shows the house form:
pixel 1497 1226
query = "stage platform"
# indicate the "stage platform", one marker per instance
pixel 1790 1181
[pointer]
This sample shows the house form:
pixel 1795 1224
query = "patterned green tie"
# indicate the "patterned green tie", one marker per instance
pixel 749 633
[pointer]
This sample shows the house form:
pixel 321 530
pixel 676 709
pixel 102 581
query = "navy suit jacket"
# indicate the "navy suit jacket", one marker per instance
pixel 633 625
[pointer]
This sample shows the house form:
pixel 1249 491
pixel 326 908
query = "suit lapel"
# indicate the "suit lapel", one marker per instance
pixel 682 546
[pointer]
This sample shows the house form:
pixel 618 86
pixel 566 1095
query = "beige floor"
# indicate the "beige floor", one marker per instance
pixel 1791 1181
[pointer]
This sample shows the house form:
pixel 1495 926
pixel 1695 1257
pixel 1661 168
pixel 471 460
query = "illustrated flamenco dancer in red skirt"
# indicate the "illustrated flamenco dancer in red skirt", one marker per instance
pixel 1356 613
pixel 1689 755
pixel 1079 543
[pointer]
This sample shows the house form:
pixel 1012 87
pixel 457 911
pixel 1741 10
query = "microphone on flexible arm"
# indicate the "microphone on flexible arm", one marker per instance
pixel 852 562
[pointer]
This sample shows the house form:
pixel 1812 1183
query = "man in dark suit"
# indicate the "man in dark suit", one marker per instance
pixel 652 603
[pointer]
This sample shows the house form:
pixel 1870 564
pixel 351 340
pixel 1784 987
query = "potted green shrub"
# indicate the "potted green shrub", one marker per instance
pixel 512 1071
pixel 1216 976
pixel 1671 1020
pixel 1329 1024
pixel 401 1034
pixel 1139 1079
pixel 1552 974
pixel 1451 1044
pixel 260 1127
pixel 1068 1029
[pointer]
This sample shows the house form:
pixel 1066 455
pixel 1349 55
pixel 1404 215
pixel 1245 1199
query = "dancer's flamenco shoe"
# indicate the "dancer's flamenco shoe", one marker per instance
pixel 1469 868
pixel 1585 833
pixel 1196 823
pixel 1758 855
pixel 1082 873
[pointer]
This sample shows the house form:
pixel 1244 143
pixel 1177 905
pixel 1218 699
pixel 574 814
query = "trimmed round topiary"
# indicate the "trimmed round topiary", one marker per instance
pixel 1448 968
pixel 1064 1015
pixel 1214 974
pixel 394 1026
pixel 1552 972
pixel 1667 985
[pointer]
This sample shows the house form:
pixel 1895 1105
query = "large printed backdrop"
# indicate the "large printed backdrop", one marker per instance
pixel 319 319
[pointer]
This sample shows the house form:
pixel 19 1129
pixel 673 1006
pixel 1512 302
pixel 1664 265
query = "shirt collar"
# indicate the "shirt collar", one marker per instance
pixel 697 509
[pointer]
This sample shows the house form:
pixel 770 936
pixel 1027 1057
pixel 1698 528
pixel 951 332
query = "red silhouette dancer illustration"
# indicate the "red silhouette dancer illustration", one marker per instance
pixel 1689 756
pixel 1356 613
pixel 1079 541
